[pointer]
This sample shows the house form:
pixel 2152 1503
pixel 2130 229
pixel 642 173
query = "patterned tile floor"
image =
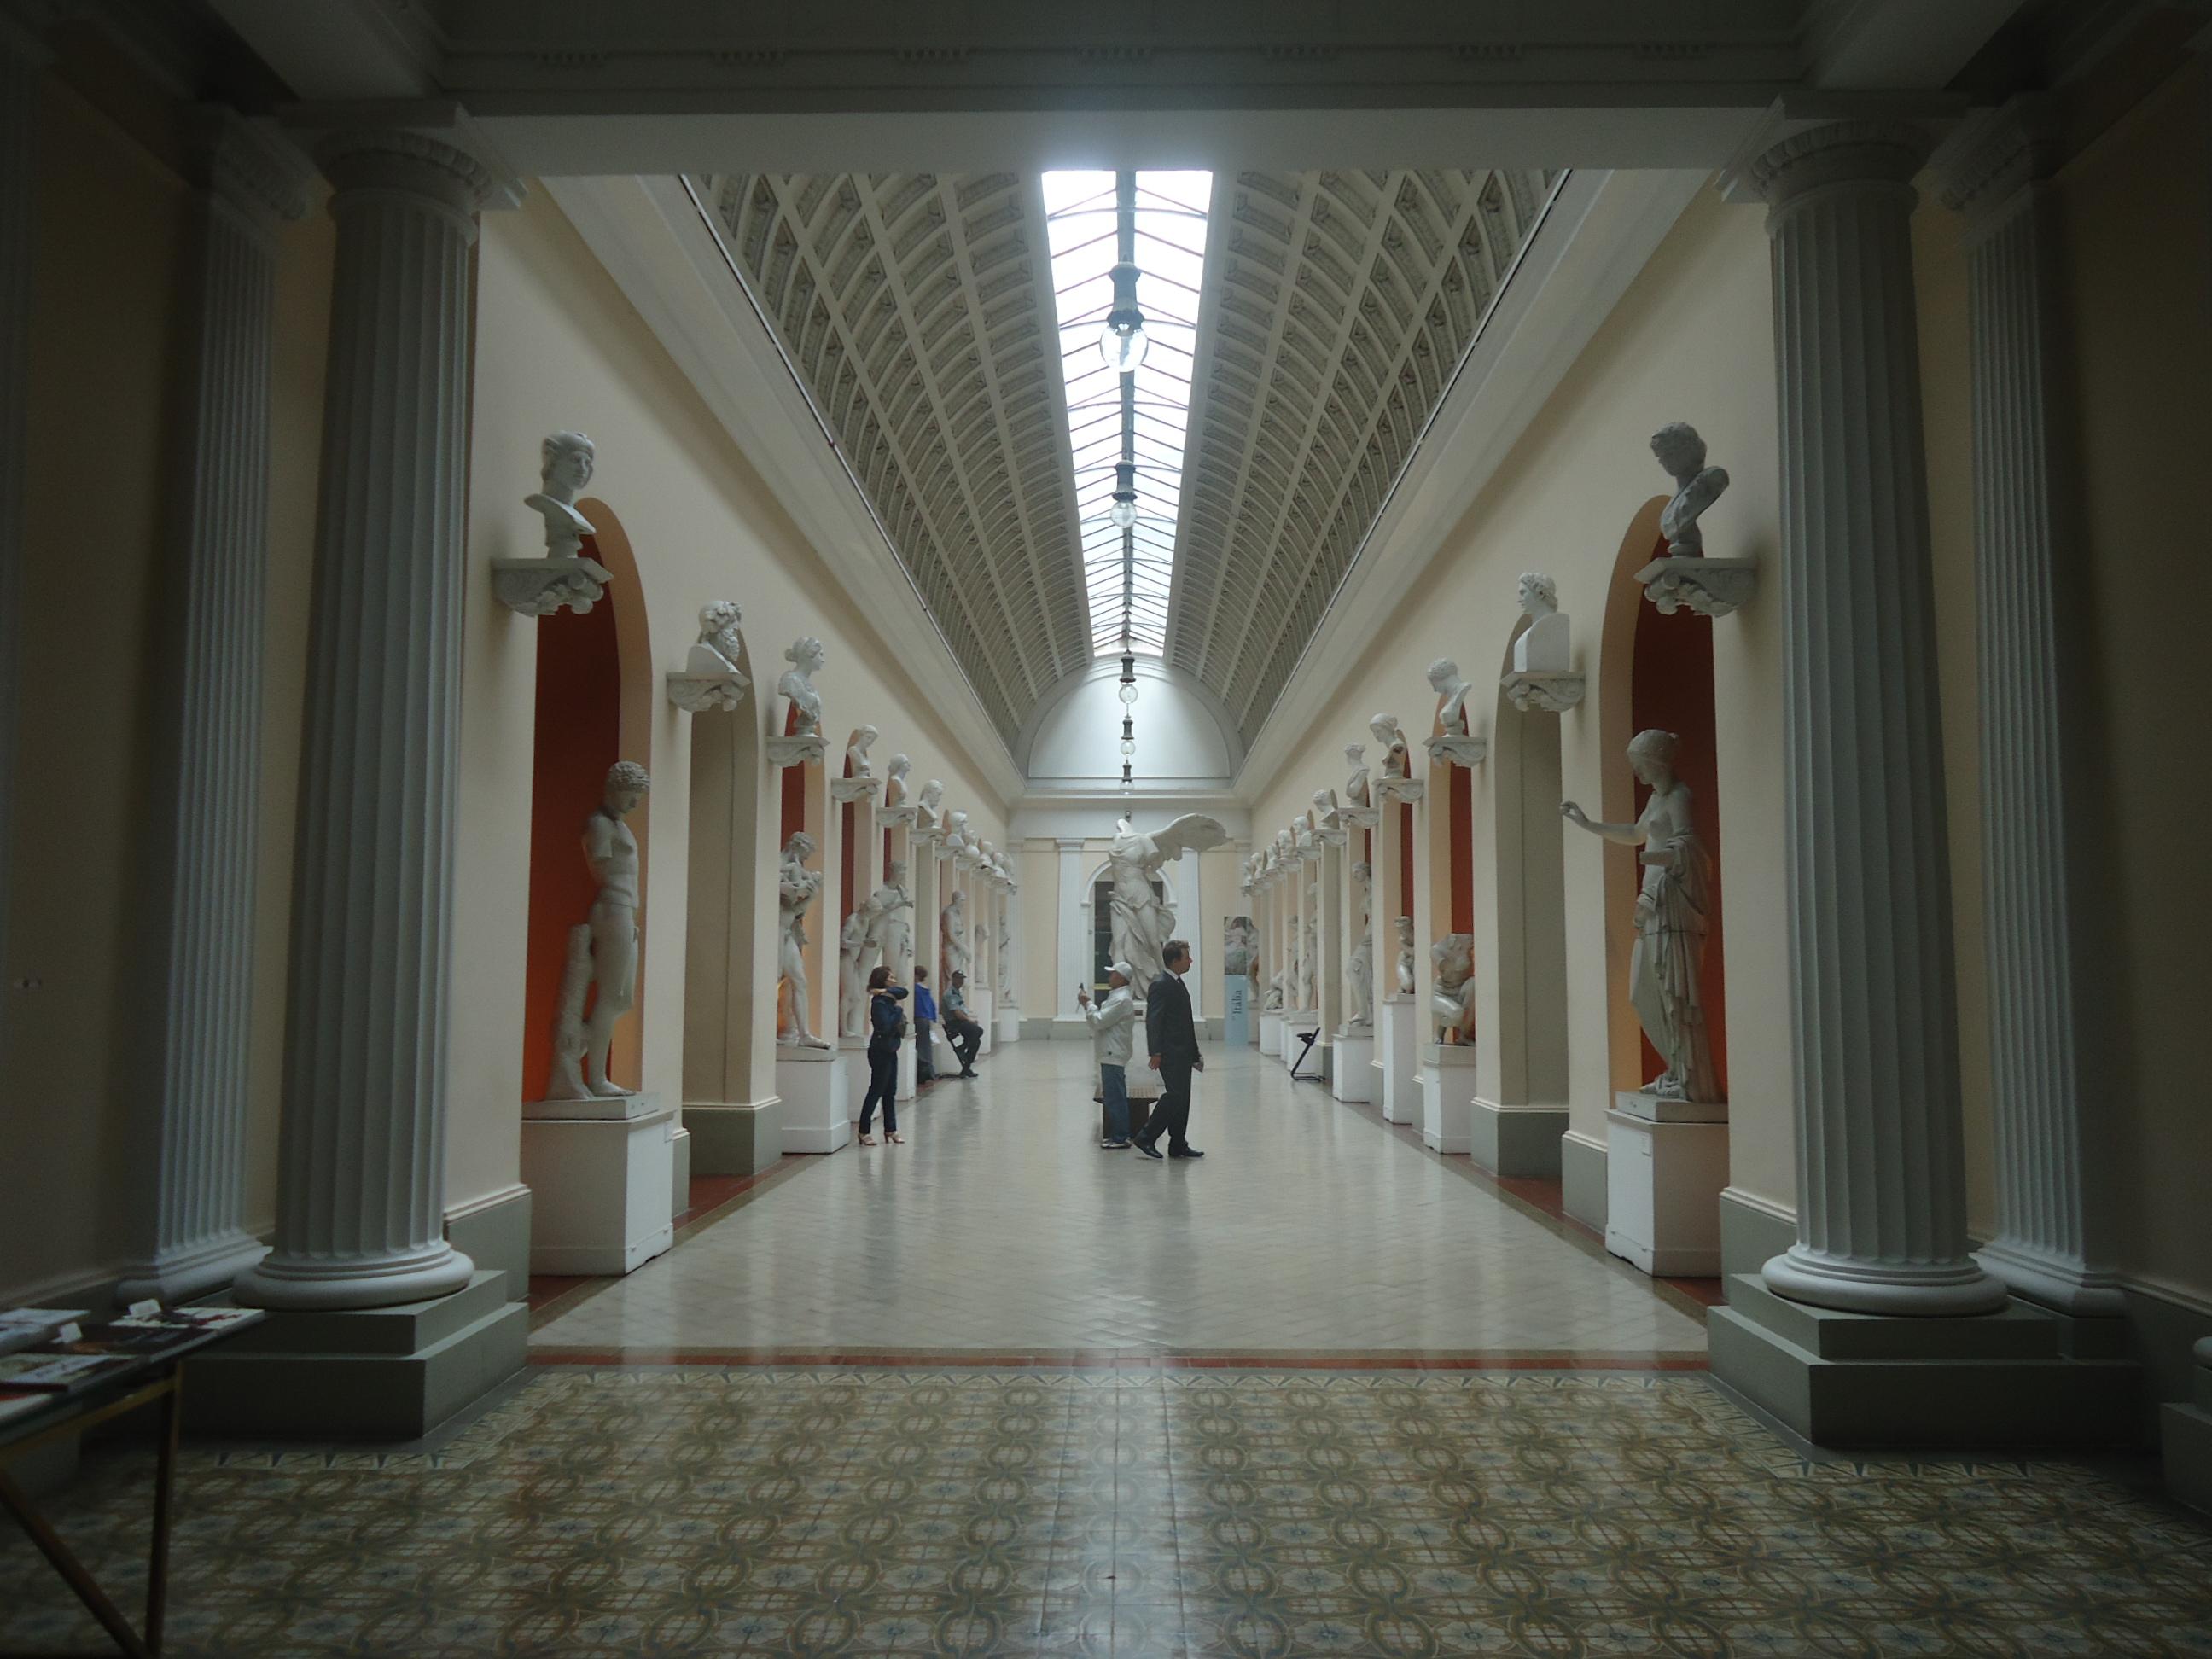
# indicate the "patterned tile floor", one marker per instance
pixel 665 1510
pixel 1001 1228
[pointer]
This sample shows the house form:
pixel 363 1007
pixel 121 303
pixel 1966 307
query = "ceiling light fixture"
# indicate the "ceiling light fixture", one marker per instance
pixel 1123 512
pixel 1122 342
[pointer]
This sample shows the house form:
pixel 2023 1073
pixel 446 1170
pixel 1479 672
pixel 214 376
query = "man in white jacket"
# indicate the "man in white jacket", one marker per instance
pixel 1111 1024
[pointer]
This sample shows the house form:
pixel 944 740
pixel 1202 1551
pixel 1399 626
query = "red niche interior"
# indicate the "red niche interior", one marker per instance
pixel 1671 687
pixel 1405 859
pixel 578 737
pixel 1462 849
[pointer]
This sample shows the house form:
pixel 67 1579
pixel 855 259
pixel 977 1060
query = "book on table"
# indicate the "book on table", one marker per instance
pixel 23 1328
pixel 61 1373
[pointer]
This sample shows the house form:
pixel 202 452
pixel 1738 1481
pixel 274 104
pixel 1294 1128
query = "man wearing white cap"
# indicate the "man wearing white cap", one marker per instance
pixel 1110 1023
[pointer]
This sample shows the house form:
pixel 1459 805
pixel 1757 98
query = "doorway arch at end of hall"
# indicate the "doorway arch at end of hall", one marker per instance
pixel 593 707
pixel 1656 671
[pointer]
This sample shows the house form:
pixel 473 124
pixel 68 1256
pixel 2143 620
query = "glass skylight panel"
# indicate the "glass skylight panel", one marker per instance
pixel 1127 573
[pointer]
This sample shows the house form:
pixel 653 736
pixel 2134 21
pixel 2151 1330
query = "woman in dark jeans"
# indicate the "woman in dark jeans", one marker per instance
pixel 886 1026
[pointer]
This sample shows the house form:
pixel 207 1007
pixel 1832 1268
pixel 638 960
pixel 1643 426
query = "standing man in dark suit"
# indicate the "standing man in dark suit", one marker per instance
pixel 1171 1038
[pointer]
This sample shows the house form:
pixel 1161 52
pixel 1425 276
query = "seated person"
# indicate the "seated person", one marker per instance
pixel 960 1025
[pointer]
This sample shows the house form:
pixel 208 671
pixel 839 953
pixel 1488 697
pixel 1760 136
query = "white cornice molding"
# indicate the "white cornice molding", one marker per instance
pixel 1600 233
pixel 649 236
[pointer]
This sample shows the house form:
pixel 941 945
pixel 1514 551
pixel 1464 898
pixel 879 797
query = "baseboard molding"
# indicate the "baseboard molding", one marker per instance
pixel 494 1232
pixel 1037 1029
pixel 1520 1141
pixel 1583 1179
pixel 1753 1229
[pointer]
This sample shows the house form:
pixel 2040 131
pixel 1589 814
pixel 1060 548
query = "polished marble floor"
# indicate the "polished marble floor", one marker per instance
pixel 1309 1228
pixel 662 1510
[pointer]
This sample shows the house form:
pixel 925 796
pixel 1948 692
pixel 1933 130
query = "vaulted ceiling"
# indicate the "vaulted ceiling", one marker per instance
pixel 918 309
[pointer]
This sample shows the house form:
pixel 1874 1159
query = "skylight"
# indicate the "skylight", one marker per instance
pixel 1128 573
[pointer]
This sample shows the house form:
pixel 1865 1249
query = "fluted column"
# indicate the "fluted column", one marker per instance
pixel 2034 878
pixel 1882 1193
pixel 193 1209
pixel 361 1164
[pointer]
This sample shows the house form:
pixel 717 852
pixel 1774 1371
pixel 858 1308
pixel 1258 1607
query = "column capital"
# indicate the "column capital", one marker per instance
pixel 248 165
pixel 1984 169
pixel 1806 142
pixel 429 147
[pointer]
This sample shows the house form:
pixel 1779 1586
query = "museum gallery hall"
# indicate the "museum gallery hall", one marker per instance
pixel 1209 830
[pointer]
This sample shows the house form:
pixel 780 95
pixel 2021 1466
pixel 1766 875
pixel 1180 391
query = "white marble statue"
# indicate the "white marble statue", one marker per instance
pixel 1451 999
pixel 1359 986
pixel 894 933
pixel 1277 991
pixel 1397 764
pixel 1237 946
pixel 929 805
pixel 1302 835
pixel 1355 787
pixel 603 951
pixel 797 887
pixel 1672 914
pixel 566 460
pixel 1295 979
pixel 895 776
pixel 1696 487
pixel 805 657
pixel 952 936
pixel 1324 809
pixel 1405 926
pixel 1544 645
pixel 856 751
pixel 717 681
pixel 1142 923
pixel 856 944
pixel 1451 698
pixel 1307 997
pixel 1005 958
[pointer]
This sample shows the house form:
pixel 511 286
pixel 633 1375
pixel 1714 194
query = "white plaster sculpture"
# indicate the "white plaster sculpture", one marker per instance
pixel 1355 787
pixel 1324 810
pixel 1278 990
pixel 1302 836
pixel 1672 914
pixel 856 943
pixel 1451 698
pixel 1294 973
pixel 1142 923
pixel 1397 762
pixel 1696 487
pixel 1405 926
pixel 1544 645
pixel 1237 946
pixel 1307 996
pixel 796 887
pixel 953 936
pixel 856 751
pixel 1005 958
pixel 929 806
pixel 1451 999
pixel 803 703
pixel 602 952
pixel 710 679
pixel 893 933
pixel 538 587
pixel 1359 986
pixel 895 782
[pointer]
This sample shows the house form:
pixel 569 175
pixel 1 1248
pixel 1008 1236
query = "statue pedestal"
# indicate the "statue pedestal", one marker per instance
pixel 853 1052
pixel 1711 587
pixel 707 693
pixel 1296 1025
pixel 817 1111
pixel 909 1068
pixel 1006 1026
pixel 1271 1033
pixel 540 587
pixel 855 789
pixel 1352 1078
pixel 601 1179
pixel 1543 691
pixel 1359 818
pixel 1398 1058
pixel 1447 1097
pixel 1663 1180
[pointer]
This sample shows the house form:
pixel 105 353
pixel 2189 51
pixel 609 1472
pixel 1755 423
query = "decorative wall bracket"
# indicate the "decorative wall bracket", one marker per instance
pixel 851 789
pixel 1360 818
pixel 1405 789
pixel 1459 750
pixel 1711 587
pixel 707 694
pixel 538 587
pixel 802 749
pixel 1332 837
pixel 1535 690
pixel 905 814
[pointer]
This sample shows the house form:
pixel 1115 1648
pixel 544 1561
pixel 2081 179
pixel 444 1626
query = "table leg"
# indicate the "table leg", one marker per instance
pixel 18 1504
pixel 164 1473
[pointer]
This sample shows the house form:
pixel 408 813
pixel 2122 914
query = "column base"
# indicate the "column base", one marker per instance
pixel 601 1187
pixel 392 1373
pixel 1518 1142
pixel 1396 1053
pixel 1353 1068
pixel 1663 1201
pixel 1855 1379
pixel 738 1138
pixel 818 1108
pixel 2056 1284
pixel 174 1276
pixel 1448 1098
pixel 1957 1291
pixel 322 1283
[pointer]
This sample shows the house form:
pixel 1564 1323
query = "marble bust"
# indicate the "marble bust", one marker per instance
pixel 1302 834
pixel 1392 736
pixel 1544 645
pixel 805 657
pixel 929 805
pixel 895 781
pixel 955 831
pixel 1405 927
pixel 856 751
pixel 1696 487
pixel 1451 698
pixel 1355 787
pixel 720 644
pixel 1324 809
pixel 603 951
pixel 566 460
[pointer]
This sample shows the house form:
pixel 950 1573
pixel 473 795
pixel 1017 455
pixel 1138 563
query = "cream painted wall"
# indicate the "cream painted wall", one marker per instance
pixel 1691 340
pixel 559 346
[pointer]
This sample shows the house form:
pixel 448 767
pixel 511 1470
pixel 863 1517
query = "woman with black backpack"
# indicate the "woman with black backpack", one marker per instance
pixel 886 1031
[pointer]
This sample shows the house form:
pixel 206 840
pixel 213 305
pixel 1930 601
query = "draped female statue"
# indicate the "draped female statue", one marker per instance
pixel 1141 923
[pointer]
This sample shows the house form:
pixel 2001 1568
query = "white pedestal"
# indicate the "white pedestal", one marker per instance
pixel 817 1109
pixel 854 1051
pixel 679 1168
pixel 1395 1036
pixel 1663 1181
pixel 1270 1033
pixel 1447 1097
pixel 601 1178
pixel 1007 1026
pixel 1352 1077
pixel 909 1071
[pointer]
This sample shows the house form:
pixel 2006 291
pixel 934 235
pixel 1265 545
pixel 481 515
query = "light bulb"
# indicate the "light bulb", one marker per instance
pixel 1128 746
pixel 1129 693
pixel 1123 514
pixel 1123 347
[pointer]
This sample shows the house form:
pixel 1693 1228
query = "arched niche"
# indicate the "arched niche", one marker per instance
pixel 593 707
pixel 1656 671
pixel 1526 788
pixel 1449 818
pixel 722 919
